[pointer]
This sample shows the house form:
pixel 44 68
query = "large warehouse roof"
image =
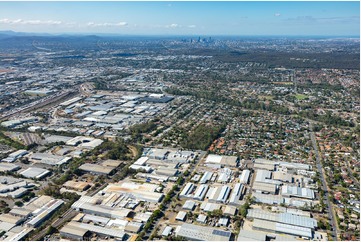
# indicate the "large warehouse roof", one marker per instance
pixel 196 232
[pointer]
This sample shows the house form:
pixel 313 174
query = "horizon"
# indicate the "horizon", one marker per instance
pixel 183 18
pixel 45 34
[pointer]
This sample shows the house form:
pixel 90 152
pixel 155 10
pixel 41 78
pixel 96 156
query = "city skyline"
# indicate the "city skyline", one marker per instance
pixel 183 18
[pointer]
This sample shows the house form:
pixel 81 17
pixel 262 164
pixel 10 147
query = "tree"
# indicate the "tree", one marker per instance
pixel 19 203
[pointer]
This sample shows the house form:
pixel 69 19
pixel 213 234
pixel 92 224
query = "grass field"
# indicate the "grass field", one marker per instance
pixel 301 96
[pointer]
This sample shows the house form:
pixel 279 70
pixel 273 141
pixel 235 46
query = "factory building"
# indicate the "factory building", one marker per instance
pixel 201 233
pixel 206 177
pixel 187 190
pixel 244 177
pixel 236 194
pixel 201 192
pixel 294 191
pixel 44 213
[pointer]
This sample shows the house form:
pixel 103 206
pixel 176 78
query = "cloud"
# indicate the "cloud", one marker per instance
pixel 277 14
pixel 330 20
pixel 30 22
pixel 191 26
pixel 173 26
pixel 120 24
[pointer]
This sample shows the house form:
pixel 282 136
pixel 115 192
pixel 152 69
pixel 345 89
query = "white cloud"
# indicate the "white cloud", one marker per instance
pixel 173 26
pixel 191 26
pixel 277 14
pixel 120 24
pixel 31 22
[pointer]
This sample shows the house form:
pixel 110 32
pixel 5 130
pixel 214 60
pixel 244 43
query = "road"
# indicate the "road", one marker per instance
pixel 331 216
pixel 191 173
pixel 69 214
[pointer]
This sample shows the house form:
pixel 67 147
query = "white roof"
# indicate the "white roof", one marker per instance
pixel 214 159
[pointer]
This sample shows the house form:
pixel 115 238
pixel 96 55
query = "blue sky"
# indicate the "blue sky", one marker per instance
pixel 177 18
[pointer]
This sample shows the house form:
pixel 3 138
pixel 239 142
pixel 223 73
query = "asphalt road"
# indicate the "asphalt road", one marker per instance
pixel 324 188
pixel 69 214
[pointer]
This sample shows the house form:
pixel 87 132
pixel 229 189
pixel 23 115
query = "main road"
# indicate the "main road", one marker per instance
pixel 324 188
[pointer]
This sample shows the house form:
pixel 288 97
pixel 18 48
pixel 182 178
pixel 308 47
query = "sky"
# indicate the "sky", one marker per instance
pixel 184 18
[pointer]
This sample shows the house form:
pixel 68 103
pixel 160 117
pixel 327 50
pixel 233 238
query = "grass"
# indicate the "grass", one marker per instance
pixel 301 96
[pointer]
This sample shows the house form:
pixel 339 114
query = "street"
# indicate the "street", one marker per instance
pixel 325 189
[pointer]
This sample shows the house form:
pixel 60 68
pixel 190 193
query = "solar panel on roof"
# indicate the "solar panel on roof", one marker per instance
pixel 220 233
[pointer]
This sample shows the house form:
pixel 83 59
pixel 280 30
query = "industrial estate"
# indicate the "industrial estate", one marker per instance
pixel 179 138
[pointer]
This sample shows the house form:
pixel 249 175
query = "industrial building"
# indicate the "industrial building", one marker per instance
pixel 187 190
pixel 206 177
pixel 222 161
pixel 236 194
pixel 189 205
pixel 244 177
pixel 15 155
pixel 141 191
pixel 284 223
pixel 294 191
pixel 77 231
pixel 44 213
pixel 4 167
pixel 13 187
pixel 201 192
pixel 35 172
pixel 275 227
pixel 77 185
pixel 88 205
pixel 96 169
pixel 48 159
pixel 200 233
pixel 181 216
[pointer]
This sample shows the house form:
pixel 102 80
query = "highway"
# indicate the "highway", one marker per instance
pixel 331 216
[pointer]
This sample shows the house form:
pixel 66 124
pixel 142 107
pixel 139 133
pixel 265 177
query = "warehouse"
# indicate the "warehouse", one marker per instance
pixel 76 185
pixel 282 228
pixel 201 233
pixel 223 195
pixel 251 235
pixel 264 188
pixel 133 227
pixel 269 167
pixel 167 231
pixel 100 210
pixel 4 167
pixel 189 205
pixel 141 161
pixel 142 191
pixel 236 194
pixel 102 221
pixel 222 161
pixel 206 177
pixel 187 190
pixel 48 159
pixel 201 192
pixel 34 172
pixel 166 171
pixel 44 213
pixel 209 207
pixel 293 191
pixel 282 176
pixel 15 155
pixel 283 218
pixel 78 230
pixel 181 216
pixel 244 177
pixel 96 169
pixel 146 169
pixel 267 198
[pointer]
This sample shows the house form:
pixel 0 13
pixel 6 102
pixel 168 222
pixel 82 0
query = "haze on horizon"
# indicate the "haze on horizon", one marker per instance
pixel 183 18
